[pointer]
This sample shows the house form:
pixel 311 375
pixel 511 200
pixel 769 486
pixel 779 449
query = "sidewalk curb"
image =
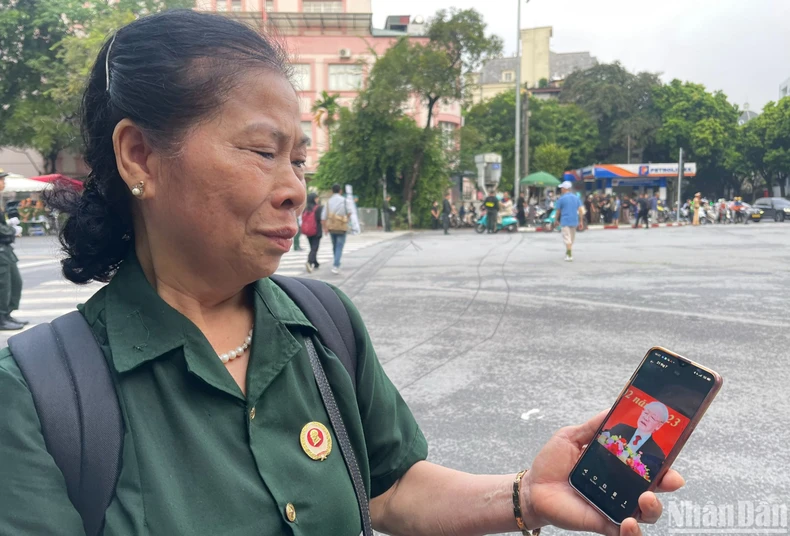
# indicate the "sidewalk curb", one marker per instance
pixel 606 227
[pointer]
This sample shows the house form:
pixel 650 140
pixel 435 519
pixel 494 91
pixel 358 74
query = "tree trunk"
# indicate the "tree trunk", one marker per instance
pixel 51 162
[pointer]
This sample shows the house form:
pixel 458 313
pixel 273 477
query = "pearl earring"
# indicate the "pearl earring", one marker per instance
pixel 139 189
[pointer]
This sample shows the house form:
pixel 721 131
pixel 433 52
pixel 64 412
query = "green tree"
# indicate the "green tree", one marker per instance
pixel 490 127
pixel 763 147
pixel 705 125
pixel 552 159
pixel 325 111
pixel 46 51
pixel 621 104
pixel 435 71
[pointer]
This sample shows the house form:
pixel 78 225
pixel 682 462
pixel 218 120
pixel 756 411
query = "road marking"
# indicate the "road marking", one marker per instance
pixel 24 265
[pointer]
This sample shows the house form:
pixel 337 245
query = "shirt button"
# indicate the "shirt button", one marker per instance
pixel 252 413
pixel 290 512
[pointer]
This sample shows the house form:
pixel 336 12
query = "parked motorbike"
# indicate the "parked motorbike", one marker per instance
pixel 509 223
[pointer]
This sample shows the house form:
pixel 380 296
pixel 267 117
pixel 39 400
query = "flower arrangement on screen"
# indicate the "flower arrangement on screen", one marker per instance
pixel 619 447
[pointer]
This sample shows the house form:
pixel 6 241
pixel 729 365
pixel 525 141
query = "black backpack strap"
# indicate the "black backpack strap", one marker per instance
pixel 324 309
pixel 73 391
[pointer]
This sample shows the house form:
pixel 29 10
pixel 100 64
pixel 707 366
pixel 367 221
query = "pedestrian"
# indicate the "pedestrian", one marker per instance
pixel 644 208
pixel 435 216
pixel 334 221
pixel 280 438
pixel 569 210
pixel 462 214
pixel 386 213
pixel 10 278
pixel 696 203
pixel 491 204
pixel 311 227
pixel 447 211
pixel 654 208
pixel 521 213
pixel 617 204
pixel 588 205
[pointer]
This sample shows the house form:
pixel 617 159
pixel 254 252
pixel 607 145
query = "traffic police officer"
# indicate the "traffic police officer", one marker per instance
pixel 10 279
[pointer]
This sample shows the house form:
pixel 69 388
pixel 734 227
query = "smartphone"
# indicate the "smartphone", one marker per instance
pixel 643 433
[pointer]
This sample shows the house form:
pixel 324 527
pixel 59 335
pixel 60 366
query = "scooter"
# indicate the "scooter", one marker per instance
pixel 510 223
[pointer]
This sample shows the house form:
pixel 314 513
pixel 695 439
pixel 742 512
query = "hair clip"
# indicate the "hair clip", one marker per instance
pixel 107 63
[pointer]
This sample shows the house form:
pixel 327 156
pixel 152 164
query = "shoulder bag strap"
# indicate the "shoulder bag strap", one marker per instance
pixel 76 402
pixel 342 437
pixel 324 309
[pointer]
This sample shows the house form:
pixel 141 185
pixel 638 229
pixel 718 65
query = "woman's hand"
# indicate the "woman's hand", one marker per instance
pixel 550 500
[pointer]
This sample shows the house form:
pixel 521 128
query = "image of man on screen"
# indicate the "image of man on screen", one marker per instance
pixel 640 439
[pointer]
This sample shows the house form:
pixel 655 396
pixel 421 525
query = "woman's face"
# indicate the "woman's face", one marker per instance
pixel 228 202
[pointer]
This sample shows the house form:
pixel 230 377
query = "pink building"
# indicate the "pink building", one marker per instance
pixel 333 45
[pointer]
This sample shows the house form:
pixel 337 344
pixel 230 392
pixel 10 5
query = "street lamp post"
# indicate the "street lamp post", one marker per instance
pixel 517 179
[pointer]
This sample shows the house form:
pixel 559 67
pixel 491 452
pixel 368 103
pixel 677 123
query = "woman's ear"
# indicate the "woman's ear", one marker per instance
pixel 133 156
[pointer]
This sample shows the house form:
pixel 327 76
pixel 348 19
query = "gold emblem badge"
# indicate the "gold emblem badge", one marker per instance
pixel 316 441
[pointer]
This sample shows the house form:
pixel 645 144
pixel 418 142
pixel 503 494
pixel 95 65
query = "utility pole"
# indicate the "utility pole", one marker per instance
pixel 516 178
pixel 526 133
pixel 680 181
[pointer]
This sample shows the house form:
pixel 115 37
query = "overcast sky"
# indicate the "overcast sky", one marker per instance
pixel 741 47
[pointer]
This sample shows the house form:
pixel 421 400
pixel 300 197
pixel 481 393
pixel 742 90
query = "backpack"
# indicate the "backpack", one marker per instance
pixel 74 395
pixel 309 223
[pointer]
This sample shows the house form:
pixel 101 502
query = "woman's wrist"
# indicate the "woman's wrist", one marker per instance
pixel 530 518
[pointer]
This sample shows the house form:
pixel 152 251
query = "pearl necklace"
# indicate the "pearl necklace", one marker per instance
pixel 238 352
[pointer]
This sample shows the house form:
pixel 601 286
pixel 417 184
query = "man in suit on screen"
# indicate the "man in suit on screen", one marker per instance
pixel 640 439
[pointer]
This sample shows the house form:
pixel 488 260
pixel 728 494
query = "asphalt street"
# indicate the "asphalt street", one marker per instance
pixel 496 343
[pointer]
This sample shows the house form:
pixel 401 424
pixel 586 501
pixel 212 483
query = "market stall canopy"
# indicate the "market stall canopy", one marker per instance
pixel 17 183
pixel 57 177
pixel 542 179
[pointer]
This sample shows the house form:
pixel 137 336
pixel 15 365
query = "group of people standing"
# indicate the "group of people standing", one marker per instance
pixel 331 219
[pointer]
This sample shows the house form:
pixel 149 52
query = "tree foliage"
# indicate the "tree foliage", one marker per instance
pixel 490 127
pixel 46 51
pixel 551 158
pixel 621 104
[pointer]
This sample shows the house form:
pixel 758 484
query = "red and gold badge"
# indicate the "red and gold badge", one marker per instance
pixel 316 441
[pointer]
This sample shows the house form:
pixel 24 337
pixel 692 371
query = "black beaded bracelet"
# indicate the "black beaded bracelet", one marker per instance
pixel 517 507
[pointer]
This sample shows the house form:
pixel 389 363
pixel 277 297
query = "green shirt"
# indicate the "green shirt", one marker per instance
pixel 196 458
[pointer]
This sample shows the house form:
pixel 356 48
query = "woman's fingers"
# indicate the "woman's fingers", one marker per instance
pixel 672 481
pixel 650 507
pixel 581 435
pixel 630 527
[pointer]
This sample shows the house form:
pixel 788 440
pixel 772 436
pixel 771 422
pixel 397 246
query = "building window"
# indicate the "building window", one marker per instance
pixel 322 6
pixel 235 5
pixel 222 5
pixel 448 134
pixel 508 76
pixel 301 76
pixel 269 6
pixel 345 77
pixel 307 129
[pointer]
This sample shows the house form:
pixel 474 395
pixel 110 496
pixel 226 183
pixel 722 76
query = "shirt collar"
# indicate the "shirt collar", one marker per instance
pixel 141 326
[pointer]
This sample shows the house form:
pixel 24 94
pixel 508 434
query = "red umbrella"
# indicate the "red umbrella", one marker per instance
pixel 57 177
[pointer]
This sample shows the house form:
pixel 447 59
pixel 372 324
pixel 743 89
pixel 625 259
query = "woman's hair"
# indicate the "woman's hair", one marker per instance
pixel 167 73
pixel 312 201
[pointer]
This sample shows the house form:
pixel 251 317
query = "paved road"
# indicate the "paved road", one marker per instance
pixel 495 342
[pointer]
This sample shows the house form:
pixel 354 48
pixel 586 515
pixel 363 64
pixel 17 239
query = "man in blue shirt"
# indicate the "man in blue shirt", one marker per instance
pixel 569 210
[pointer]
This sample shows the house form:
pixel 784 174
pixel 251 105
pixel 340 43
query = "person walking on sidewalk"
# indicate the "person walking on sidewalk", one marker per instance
pixel 569 210
pixel 654 208
pixel 10 278
pixel 335 223
pixel 311 228
pixel 447 211
pixel 644 208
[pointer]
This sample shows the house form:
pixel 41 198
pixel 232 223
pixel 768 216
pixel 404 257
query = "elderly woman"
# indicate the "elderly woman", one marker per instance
pixel 190 119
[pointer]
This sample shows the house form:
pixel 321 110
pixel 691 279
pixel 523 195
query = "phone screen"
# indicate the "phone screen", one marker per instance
pixel 643 427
